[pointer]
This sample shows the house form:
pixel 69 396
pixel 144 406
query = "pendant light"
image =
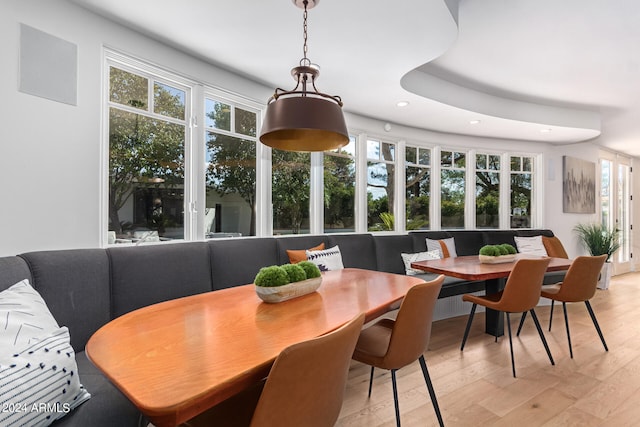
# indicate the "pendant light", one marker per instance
pixel 300 119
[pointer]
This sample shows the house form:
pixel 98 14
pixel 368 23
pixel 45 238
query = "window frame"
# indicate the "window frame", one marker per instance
pixel 196 130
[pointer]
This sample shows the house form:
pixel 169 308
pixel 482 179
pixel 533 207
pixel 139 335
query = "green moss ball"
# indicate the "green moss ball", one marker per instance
pixel 271 276
pixel 509 248
pixel 489 250
pixel 295 272
pixel 310 269
pixel 502 250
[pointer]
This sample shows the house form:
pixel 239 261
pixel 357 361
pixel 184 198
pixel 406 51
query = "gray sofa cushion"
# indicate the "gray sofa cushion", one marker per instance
pixel 236 262
pixel 358 250
pixel 297 242
pixel 75 286
pixel 144 275
pixel 388 250
pixel 468 242
pixel 108 407
pixel 13 269
pixel 496 237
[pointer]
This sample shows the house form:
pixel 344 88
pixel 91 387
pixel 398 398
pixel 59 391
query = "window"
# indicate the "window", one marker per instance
pixel 231 169
pixel 340 188
pixel 452 185
pixel 606 185
pixel 147 134
pixel 521 191
pixel 487 191
pixel 173 174
pixel 290 189
pixel 418 187
pixel 381 157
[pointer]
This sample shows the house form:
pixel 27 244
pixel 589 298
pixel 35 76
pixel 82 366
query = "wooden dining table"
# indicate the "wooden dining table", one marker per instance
pixel 494 276
pixel 176 359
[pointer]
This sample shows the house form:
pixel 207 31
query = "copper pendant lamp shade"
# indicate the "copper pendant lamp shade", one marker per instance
pixel 302 120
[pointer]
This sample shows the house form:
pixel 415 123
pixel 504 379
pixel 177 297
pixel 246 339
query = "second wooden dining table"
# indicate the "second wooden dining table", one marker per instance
pixel 494 275
pixel 178 358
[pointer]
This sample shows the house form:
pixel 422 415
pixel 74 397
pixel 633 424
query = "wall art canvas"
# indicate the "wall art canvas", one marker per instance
pixel 578 185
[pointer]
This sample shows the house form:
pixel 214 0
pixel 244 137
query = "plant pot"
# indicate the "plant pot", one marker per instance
pixel 605 276
pixel 485 259
pixel 286 292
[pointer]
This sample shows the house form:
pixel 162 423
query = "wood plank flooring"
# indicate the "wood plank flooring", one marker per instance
pixel 475 387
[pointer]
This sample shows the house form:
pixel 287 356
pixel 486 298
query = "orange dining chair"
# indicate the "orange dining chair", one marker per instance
pixel 392 344
pixel 579 285
pixel 520 294
pixel 305 386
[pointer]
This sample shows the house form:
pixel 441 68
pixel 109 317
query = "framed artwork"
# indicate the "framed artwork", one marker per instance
pixel 578 186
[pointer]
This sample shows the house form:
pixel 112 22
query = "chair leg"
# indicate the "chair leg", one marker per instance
pixel 524 316
pixel 513 365
pixel 395 396
pixel 371 381
pixel 466 330
pixel 566 324
pixel 551 315
pixel 432 392
pixel 544 341
pixel 595 323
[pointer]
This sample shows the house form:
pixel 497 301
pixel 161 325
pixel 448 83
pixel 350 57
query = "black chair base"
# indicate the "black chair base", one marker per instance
pixel 427 379
pixel 535 320
pixel 566 323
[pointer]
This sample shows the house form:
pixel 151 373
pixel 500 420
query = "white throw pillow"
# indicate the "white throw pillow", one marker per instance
pixel 24 317
pixel 417 256
pixel 438 245
pixel 530 245
pixel 327 259
pixel 38 373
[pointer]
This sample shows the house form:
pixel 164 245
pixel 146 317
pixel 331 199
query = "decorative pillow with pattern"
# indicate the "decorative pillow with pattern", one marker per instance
pixel 326 260
pixel 417 256
pixel 295 256
pixel 24 316
pixel 446 247
pixel 38 373
pixel 530 245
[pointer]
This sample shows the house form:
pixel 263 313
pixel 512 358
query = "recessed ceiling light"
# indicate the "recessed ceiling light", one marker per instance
pixel 402 103
pixel 546 130
pixel 474 122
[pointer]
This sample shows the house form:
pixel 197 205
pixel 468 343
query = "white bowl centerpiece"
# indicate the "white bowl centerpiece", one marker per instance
pixel 281 283
pixel 495 254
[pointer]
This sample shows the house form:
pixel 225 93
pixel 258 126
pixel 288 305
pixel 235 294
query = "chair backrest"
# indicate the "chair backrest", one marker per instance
pixel 580 282
pixel 412 328
pixel 307 381
pixel 522 290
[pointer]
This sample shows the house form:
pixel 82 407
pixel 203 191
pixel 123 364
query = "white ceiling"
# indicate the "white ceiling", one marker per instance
pixel 518 66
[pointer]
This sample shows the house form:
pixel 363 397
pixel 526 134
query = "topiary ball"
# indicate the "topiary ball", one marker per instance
pixel 502 250
pixel 310 269
pixel 509 248
pixel 271 276
pixel 489 250
pixel 295 272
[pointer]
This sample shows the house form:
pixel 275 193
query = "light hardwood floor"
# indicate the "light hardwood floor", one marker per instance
pixel 476 388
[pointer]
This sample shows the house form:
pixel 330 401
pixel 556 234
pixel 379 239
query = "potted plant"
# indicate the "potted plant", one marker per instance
pixel 280 283
pixel 495 254
pixel 600 240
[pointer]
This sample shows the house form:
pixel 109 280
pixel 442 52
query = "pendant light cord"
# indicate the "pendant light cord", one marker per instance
pixel 305 60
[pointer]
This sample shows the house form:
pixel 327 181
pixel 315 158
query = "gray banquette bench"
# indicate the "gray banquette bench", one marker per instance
pixel 86 288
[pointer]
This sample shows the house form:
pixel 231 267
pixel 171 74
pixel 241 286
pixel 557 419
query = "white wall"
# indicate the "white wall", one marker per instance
pixel 50 153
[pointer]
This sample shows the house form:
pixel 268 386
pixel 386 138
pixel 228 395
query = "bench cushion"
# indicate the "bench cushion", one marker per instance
pixel 236 262
pixel 75 285
pixel 145 275
pixel 358 250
